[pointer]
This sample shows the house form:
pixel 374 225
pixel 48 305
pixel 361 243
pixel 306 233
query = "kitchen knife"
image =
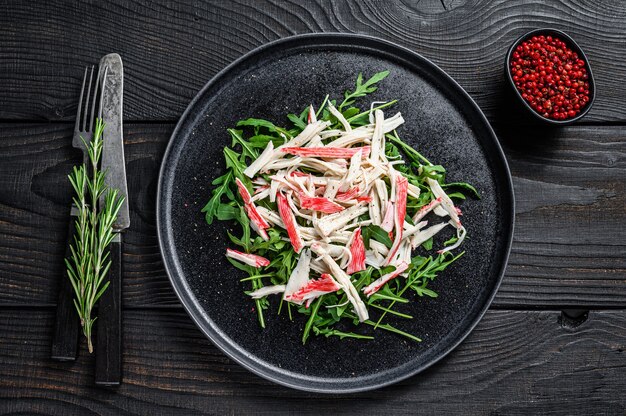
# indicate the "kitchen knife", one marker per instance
pixel 109 331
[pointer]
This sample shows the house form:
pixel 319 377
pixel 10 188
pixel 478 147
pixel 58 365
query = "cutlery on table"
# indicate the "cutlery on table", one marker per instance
pixel 109 323
pixel 67 325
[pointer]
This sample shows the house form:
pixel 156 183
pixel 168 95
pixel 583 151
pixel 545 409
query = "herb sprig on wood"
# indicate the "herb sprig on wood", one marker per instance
pixel 89 261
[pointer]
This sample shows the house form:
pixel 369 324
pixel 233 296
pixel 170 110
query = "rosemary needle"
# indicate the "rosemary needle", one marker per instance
pixel 89 261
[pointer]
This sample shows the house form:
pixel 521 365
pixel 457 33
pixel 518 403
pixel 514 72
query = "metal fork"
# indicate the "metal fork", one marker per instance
pixel 67 326
pixel 82 134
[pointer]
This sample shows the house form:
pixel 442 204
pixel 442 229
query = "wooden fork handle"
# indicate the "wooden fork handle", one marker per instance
pixel 66 325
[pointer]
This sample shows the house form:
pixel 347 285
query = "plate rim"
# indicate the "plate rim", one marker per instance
pixel 222 341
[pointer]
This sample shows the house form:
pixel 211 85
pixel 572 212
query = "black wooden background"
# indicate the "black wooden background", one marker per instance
pixel 553 341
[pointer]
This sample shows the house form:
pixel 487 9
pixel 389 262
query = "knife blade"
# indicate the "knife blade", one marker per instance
pixel 109 334
pixel 113 162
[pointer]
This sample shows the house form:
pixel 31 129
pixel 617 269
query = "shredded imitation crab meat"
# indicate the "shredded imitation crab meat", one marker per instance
pixel 325 195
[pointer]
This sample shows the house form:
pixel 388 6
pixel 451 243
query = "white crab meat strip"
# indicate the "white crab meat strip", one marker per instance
pixel 338 237
pixel 295 209
pixel 460 234
pixel 374 208
pixel 332 187
pixel 282 164
pixel 323 166
pixel 439 211
pixel 326 134
pixel 363 134
pixel 261 161
pixel 421 213
pixel 381 191
pixel 379 247
pixel 318 266
pixel 388 218
pixel 381 281
pixel 373 258
pixel 424 235
pixel 446 202
pixel 270 216
pixel 353 171
pixel 301 139
pixel 267 290
pixel 330 223
pixel 377 137
pixel 301 180
pixel 352 138
pixel 410 230
pixel 414 191
pixel 344 280
pixel 262 194
pixel 340 117
pixel 404 254
pixel 300 275
pixel 316 141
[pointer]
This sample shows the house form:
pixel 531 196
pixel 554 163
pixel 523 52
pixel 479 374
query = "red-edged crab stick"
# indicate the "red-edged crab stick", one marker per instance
pixel 247 258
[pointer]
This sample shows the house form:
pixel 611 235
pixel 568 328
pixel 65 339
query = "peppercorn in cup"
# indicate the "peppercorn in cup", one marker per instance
pixel 551 76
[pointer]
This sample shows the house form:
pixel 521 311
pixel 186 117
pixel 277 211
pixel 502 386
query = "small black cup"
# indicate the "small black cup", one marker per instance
pixel 574 46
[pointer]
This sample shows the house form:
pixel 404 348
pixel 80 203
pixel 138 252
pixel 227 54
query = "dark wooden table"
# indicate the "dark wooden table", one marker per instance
pixel 553 341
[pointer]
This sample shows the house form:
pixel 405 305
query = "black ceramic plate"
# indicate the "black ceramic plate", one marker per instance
pixel 442 122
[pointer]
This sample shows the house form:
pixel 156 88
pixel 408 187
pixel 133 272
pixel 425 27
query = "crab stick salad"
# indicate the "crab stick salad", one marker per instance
pixel 341 219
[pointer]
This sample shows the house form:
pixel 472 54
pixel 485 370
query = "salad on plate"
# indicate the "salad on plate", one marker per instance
pixel 337 216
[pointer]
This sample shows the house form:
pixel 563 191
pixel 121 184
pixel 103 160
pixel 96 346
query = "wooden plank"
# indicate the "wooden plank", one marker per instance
pixel 170 49
pixel 570 192
pixel 568 247
pixel 514 363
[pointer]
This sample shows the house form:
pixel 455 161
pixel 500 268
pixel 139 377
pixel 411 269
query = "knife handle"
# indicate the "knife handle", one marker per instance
pixel 109 331
pixel 67 324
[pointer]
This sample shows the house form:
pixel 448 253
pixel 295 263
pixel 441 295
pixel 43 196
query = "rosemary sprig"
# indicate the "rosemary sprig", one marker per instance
pixel 89 260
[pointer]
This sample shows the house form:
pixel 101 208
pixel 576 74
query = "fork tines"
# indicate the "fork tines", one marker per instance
pixel 84 115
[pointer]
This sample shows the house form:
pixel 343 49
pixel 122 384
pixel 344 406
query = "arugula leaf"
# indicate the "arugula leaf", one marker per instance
pixel 226 212
pixel 247 149
pixel 258 124
pixel 433 169
pixel 307 328
pixel 412 154
pixel 245 225
pixel 457 195
pixel 422 291
pixel 362 89
pixel 327 332
pixel 261 141
pixel 297 121
pixel 210 209
pixel 233 162
pixel 238 265
pixel 361 119
pixel 462 185
pixel 234 239
pixel 350 112
pixel 378 234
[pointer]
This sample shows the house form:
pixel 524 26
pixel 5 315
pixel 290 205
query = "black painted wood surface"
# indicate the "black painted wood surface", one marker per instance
pixel 553 342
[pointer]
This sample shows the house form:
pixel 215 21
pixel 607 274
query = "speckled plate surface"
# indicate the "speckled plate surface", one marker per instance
pixel 442 122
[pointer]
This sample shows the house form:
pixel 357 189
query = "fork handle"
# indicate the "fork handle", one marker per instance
pixel 66 325
pixel 109 331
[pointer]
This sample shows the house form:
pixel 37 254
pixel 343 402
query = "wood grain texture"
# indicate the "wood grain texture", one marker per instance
pixel 172 48
pixel 568 249
pixel 514 363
